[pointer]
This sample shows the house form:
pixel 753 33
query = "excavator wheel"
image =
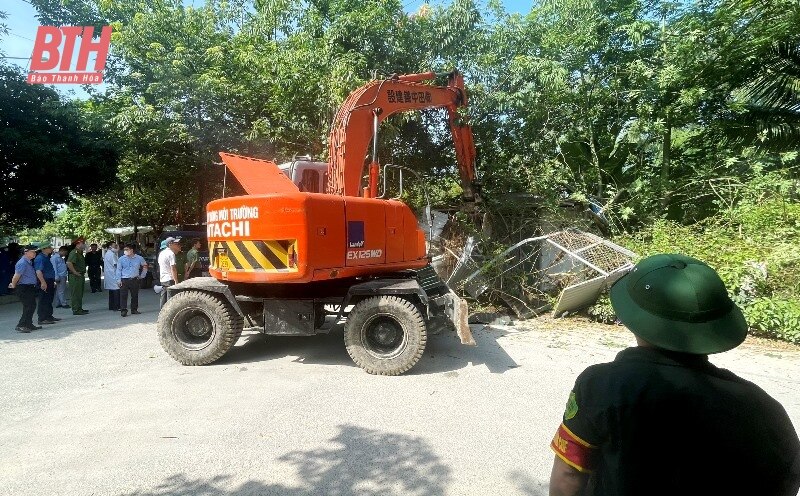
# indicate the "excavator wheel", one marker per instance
pixel 385 335
pixel 196 328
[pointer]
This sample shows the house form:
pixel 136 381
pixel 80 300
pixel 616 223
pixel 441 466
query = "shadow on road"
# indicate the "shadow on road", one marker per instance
pixel 360 461
pixel 444 352
pixel 321 349
pixel 98 319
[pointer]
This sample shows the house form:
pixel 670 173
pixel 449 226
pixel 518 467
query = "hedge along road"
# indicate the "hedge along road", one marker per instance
pixel 92 405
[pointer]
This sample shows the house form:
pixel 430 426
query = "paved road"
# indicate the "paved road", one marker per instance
pixel 94 406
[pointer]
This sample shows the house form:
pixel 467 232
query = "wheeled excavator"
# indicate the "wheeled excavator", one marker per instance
pixel 312 244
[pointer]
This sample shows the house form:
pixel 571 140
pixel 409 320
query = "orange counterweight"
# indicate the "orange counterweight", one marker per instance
pixel 278 234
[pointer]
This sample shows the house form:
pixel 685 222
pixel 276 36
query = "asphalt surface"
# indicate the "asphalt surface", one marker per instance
pixel 93 405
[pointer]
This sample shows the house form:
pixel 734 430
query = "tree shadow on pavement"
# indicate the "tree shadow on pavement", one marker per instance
pixel 444 352
pixel 358 461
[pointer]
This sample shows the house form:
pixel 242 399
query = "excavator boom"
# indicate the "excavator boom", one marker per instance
pixel 358 119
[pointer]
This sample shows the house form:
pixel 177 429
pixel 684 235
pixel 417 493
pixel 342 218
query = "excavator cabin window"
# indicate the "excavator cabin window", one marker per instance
pixel 308 175
pixel 309 181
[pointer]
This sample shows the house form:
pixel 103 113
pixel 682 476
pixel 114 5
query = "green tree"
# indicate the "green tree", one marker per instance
pixel 48 152
pixel 770 116
pixel 627 101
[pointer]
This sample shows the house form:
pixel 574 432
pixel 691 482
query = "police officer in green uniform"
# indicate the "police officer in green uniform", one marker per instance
pixel 76 265
pixel 661 419
pixel 181 263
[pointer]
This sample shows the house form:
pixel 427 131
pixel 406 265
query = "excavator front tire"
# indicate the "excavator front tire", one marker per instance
pixel 197 328
pixel 385 335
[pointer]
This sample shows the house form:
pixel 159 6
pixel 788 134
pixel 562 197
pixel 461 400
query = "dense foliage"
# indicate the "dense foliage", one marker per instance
pixel 50 152
pixel 753 245
pixel 672 116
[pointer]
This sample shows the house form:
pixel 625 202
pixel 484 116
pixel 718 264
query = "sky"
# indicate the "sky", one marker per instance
pixel 22 29
pixel 22 24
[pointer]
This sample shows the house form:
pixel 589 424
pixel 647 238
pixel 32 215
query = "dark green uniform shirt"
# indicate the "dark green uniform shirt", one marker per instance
pixel 180 265
pixel 76 257
pixel 654 422
pixel 193 256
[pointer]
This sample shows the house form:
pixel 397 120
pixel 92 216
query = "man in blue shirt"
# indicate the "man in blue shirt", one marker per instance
pixel 129 267
pixel 47 276
pixel 24 282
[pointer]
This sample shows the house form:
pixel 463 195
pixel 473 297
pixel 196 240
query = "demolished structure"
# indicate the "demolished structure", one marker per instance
pixel 563 271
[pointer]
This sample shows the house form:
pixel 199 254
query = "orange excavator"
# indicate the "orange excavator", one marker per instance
pixel 312 243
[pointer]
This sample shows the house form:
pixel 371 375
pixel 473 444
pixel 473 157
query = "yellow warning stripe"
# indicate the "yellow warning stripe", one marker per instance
pixel 253 256
pixel 237 253
pixel 257 255
pixel 279 251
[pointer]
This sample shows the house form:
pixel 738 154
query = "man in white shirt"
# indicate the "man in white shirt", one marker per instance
pixel 167 267
pixel 111 281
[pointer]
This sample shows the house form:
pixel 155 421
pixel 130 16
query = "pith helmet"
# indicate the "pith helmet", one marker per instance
pixel 680 304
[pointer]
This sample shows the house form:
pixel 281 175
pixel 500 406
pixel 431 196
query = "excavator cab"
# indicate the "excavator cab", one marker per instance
pixel 309 176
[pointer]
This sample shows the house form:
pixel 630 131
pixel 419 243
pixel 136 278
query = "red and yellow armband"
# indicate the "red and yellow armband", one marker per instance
pixel 575 452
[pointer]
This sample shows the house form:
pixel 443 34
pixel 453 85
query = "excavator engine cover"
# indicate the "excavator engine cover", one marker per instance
pixel 278 234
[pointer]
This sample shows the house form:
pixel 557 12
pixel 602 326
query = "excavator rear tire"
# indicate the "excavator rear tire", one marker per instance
pixel 385 335
pixel 197 328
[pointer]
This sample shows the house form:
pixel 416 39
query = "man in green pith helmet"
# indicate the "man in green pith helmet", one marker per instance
pixel 76 265
pixel 660 419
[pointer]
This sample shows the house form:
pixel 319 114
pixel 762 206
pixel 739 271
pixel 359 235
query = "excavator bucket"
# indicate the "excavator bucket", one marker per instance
pixel 459 317
pixel 258 177
pixel 456 311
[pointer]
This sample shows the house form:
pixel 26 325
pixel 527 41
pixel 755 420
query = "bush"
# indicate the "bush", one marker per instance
pixel 602 311
pixel 775 318
pixel 753 247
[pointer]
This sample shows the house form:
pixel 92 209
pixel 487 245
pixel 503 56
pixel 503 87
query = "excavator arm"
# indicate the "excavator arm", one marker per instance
pixel 357 121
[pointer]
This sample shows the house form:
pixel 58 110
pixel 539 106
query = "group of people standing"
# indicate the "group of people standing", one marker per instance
pixel 122 277
pixel 123 274
pixel 44 276
pixel 40 280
